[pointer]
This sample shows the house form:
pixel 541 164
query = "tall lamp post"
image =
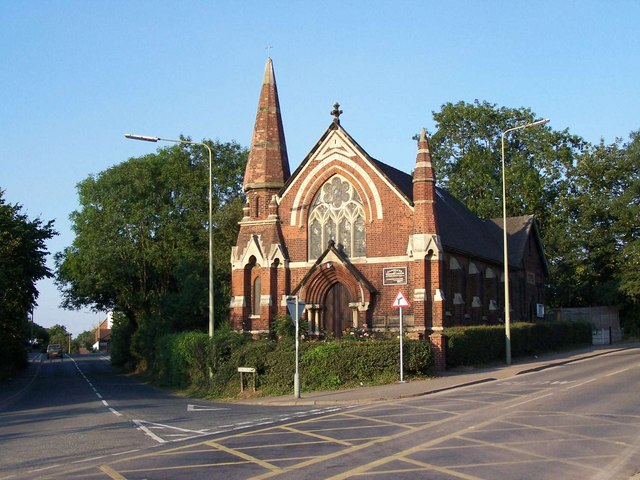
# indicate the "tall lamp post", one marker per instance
pixel 145 138
pixel 507 312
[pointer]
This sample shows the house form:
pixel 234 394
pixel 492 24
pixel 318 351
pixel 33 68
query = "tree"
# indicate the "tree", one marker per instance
pixel 141 245
pixel 600 210
pixel 629 223
pixel 58 334
pixel 467 154
pixel 40 335
pixel 86 339
pixel 585 197
pixel 22 263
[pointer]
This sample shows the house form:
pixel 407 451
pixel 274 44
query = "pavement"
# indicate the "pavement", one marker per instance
pixel 444 381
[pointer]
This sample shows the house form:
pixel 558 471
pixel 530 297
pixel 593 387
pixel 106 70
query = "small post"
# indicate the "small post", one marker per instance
pixel 296 377
pixel 242 371
pixel 400 302
pixel 295 305
pixel 401 352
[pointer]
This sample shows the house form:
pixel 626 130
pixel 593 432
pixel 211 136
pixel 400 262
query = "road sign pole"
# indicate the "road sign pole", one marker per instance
pixel 400 302
pixel 296 377
pixel 295 307
pixel 401 353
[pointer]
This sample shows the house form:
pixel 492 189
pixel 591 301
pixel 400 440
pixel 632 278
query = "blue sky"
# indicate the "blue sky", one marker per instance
pixel 77 75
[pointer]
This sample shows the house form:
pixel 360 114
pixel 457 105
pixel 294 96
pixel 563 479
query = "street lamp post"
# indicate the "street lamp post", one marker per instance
pixel 145 138
pixel 507 312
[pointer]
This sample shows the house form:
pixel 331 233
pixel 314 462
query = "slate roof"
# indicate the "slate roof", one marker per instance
pixel 463 231
pixel 518 230
pixel 459 228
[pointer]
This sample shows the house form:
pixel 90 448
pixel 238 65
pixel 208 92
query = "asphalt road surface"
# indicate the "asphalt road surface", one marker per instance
pixel 574 421
pixel 77 411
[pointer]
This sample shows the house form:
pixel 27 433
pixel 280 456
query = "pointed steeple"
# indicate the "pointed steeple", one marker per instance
pixel 267 165
pixel 424 188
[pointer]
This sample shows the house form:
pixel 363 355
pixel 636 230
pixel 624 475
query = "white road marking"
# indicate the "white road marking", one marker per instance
pixel 124 453
pixel 580 384
pixel 149 432
pixel 90 459
pixel 201 408
pixel 617 372
pixel 530 400
pixel 95 390
pixel 45 468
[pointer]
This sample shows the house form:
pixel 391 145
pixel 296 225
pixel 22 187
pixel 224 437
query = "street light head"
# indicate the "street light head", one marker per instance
pixel 539 122
pixel 144 138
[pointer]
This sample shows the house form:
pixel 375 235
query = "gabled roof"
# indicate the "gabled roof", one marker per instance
pixel 463 231
pixel 519 229
pixel 459 228
pixel 337 253
pixel 397 178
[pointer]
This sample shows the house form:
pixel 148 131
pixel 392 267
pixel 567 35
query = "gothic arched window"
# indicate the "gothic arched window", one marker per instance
pixel 337 214
pixel 255 297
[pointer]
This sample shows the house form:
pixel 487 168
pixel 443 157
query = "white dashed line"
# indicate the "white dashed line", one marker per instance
pixel 95 390
pixel 580 384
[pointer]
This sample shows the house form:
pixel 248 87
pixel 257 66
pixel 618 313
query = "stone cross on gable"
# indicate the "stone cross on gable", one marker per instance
pixel 336 113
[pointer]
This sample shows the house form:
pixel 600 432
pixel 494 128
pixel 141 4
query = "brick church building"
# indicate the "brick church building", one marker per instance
pixel 346 232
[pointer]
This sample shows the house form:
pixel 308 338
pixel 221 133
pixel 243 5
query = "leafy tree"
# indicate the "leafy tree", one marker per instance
pixel 22 264
pixel 601 210
pixel 467 152
pixel 585 197
pixel 40 335
pixel 86 339
pixel 628 207
pixel 58 334
pixel 141 245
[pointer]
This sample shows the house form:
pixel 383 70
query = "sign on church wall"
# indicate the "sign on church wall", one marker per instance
pixel 394 276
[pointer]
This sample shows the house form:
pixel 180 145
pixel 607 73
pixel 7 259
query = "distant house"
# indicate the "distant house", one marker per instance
pixel 103 334
pixel 346 233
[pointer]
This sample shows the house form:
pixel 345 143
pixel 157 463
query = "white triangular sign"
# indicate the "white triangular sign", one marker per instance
pixel 400 301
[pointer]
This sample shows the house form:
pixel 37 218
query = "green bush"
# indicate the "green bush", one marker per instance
pixel 121 334
pixel 478 345
pixel 474 345
pixel 280 367
pixel 191 360
pixel 182 360
pixel 342 364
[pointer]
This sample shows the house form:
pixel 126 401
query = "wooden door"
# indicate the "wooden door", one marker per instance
pixel 337 314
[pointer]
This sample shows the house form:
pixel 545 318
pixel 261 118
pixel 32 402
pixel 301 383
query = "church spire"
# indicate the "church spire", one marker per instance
pixel 424 188
pixel 267 166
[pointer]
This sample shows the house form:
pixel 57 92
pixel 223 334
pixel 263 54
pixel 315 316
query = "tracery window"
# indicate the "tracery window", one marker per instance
pixel 337 214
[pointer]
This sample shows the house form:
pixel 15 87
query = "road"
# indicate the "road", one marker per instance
pixel 77 411
pixel 574 421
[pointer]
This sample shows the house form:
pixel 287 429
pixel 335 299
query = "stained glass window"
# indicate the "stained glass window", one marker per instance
pixel 337 214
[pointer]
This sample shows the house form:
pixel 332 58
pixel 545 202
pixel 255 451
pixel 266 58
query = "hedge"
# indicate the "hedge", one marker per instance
pixel 192 361
pixel 478 345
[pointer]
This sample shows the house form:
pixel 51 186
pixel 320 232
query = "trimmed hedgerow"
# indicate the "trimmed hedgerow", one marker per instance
pixel 182 359
pixel 192 361
pixel 478 345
